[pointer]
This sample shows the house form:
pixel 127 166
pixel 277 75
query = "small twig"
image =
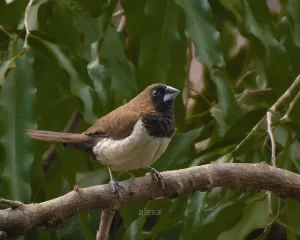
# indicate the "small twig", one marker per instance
pixel 26 24
pixel 270 224
pixel 200 95
pixel 253 130
pixel 6 32
pixel 271 109
pixel 257 92
pixel 11 203
pixel 121 24
pixel 273 143
pixel 241 79
pixel 288 112
pixel 270 212
pixel 280 208
pixel 118 13
pixel 188 65
pixel 286 94
pixel 107 216
pixel 190 56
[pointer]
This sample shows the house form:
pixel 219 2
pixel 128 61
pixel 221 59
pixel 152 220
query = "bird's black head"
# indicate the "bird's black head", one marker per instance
pixel 155 105
pixel 163 96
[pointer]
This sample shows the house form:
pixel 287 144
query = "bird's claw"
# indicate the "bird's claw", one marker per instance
pixel 157 176
pixel 116 187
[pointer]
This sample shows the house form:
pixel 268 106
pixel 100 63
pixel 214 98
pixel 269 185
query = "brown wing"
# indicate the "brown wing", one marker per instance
pixel 118 124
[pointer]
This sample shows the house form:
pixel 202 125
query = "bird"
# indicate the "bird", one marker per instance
pixel 132 136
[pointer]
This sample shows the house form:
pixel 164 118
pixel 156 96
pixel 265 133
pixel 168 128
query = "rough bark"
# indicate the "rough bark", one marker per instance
pixel 201 178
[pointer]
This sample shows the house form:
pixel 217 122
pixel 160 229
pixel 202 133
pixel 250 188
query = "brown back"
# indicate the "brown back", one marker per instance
pixel 119 123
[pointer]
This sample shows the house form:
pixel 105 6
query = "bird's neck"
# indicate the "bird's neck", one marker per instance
pixel 160 124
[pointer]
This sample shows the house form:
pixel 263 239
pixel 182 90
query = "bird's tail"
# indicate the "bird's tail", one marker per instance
pixel 62 137
pixel 82 142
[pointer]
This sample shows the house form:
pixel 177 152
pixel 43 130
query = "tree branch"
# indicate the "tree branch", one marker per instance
pixel 273 143
pixel 26 23
pixel 10 203
pixel 271 110
pixel 107 216
pixel 201 178
pixel 288 112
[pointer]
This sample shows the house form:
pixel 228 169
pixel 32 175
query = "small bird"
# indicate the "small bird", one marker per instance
pixel 131 137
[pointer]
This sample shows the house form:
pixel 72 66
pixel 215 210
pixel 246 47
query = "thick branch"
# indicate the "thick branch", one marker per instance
pixel 201 178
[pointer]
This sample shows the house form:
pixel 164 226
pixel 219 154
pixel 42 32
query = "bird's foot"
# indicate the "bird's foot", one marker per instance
pixel 157 176
pixel 116 187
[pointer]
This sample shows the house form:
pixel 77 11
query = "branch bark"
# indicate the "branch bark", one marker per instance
pixel 107 216
pixel 201 178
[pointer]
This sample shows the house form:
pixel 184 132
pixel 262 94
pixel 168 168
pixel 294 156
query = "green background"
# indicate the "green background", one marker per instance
pixel 231 60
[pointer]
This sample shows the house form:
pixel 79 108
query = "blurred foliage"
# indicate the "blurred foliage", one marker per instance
pixel 231 59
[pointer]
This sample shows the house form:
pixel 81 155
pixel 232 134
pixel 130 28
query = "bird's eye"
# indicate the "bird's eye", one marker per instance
pixel 155 93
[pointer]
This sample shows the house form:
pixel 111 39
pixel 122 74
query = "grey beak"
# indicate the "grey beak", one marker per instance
pixel 170 93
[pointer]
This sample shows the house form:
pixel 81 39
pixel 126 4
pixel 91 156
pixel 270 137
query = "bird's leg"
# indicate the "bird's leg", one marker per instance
pixel 158 177
pixel 115 185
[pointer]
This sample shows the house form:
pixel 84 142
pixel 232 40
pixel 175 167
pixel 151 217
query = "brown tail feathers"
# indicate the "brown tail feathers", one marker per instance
pixel 62 137
pixel 82 142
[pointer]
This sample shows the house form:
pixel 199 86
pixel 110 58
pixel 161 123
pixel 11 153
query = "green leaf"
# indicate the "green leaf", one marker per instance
pixel 88 179
pixel 91 8
pixel 7 65
pixel 178 151
pixel 281 135
pixel 218 115
pixel 129 213
pixel 54 107
pixel 135 229
pixel 135 15
pixel 254 216
pixel 16 105
pixel 286 37
pixel 33 24
pixel 4 68
pixel 203 32
pixel 85 231
pixel 245 124
pixel 258 25
pixel 75 70
pixel 162 43
pixel 193 216
pixel 290 214
pixel 295 153
pixel 293 126
pixel 11 13
pixel 70 229
pixel 123 71
pixel 226 99
pixel 51 186
pixel 293 9
pixel 216 221
pixel 172 214
pixel 101 77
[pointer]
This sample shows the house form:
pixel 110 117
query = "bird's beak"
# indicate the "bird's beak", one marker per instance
pixel 170 93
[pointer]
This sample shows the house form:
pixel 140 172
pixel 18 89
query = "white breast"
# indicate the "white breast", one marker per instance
pixel 138 150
